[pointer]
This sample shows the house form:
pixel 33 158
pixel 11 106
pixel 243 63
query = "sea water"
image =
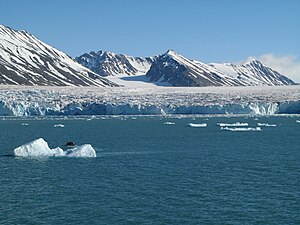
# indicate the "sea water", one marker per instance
pixel 148 171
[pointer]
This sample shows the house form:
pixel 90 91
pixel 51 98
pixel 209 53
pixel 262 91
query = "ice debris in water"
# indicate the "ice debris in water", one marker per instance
pixel 40 148
pixel 237 124
pixel 241 128
pixel 266 125
pixel 169 123
pixel 197 124
pixel 59 125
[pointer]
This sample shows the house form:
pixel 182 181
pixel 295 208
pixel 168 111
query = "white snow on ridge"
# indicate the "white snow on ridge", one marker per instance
pixel 107 63
pixel 252 73
pixel 34 62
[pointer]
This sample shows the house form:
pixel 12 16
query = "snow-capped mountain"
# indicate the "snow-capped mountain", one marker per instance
pixel 25 60
pixel 253 73
pixel 112 64
pixel 177 70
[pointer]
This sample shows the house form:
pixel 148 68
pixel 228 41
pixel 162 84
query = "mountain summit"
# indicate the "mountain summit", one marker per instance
pixel 112 64
pixel 177 70
pixel 25 60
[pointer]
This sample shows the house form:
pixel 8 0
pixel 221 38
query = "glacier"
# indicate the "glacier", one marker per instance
pixel 40 148
pixel 45 101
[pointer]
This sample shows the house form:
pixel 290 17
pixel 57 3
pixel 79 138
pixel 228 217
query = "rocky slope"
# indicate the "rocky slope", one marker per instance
pixel 177 70
pixel 253 73
pixel 112 64
pixel 25 60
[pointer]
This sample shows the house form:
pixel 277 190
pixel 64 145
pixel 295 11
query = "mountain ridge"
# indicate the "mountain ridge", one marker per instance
pixel 177 70
pixel 106 63
pixel 26 60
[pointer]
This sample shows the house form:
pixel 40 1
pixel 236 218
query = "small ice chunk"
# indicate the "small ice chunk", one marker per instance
pixel 241 128
pixel 266 125
pixel 237 124
pixel 59 125
pixel 24 124
pixel 197 124
pixel 36 148
pixel 81 151
pixel 297 121
pixel 169 123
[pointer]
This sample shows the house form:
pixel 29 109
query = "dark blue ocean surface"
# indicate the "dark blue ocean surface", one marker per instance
pixel 150 173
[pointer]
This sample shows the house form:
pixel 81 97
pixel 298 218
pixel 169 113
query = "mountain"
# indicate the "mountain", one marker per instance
pixel 25 60
pixel 253 73
pixel 177 70
pixel 112 64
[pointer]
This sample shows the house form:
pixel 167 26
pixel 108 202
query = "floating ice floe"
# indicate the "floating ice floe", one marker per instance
pixel 169 123
pixel 266 125
pixel 36 148
pixel 40 148
pixel 197 124
pixel 59 125
pixel 297 121
pixel 237 124
pixel 241 128
pixel 81 151
pixel 24 124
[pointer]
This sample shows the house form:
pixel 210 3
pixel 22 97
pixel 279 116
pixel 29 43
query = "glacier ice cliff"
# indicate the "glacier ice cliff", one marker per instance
pixel 42 101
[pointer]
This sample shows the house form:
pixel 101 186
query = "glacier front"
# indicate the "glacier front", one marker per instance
pixel 43 101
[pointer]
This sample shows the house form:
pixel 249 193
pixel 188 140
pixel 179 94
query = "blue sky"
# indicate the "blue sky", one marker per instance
pixel 207 30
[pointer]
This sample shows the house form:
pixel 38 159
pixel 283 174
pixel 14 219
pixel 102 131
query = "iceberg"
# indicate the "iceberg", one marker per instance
pixel 36 148
pixel 86 151
pixel 197 124
pixel 40 148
